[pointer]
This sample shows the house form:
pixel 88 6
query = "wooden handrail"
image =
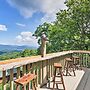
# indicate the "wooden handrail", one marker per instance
pixel 41 66
pixel 13 63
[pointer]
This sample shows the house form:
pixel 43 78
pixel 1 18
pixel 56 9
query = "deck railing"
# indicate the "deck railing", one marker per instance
pixel 41 66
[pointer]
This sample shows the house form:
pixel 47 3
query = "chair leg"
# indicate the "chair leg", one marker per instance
pixel 57 86
pixel 74 71
pixel 67 70
pixel 34 85
pixel 54 78
pixel 62 80
pixel 28 86
pixel 17 87
pixel 23 88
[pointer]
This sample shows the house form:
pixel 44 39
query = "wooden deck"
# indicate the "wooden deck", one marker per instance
pixel 43 68
pixel 85 82
pixel 71 82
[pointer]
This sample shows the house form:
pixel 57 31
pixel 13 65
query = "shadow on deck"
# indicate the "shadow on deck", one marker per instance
pixel 71 82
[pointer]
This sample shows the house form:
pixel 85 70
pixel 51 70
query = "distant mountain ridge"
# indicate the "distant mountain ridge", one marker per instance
pixel 15 47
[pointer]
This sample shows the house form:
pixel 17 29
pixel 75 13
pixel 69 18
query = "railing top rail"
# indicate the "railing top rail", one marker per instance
pixel 12 63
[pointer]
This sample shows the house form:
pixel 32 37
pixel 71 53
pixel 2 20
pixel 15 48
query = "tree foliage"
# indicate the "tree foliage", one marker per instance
pixel 71 29
pixel 28 52
pixel 18 54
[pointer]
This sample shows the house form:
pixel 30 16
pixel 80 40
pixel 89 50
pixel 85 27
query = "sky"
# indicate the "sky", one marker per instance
pixel 20 18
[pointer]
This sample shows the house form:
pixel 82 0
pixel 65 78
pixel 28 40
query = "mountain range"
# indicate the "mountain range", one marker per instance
pixel 15 47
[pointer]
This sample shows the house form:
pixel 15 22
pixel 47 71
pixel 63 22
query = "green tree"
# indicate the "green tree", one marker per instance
pixel 28 52
pixel 45 27
pixel 25 53
pixel 71 30
pixel 78 12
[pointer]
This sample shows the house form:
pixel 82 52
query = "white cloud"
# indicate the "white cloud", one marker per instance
pixel 28 7
pixel 3 27
pixel 26 38
pixel 21 25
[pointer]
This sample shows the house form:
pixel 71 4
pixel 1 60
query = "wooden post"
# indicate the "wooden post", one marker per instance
pixel 48 68
pixel 34 72
pixel 43 44
pixel 43 48
pixel 18 72
pixel 24 69
pixel 28 68
pixel 4 80
pixel 45 74
pixel 52 68
pixel 37 73
pixel 88 60
pixel 11 79
pixel 24 72
pixel 29 71
pixel 41 72
pixel 44 70
pixel 18 75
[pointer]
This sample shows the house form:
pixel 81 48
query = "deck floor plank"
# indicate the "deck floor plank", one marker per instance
pixel 71 82
pixel 85 82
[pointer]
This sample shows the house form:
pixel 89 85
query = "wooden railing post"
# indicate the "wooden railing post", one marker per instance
pixel 11 79
pixel 18 74
pixel 44 70
pixel 24 69
pixel 4 80
pixel 43 44
pixel 37 73
pixel 44 73
pixel 41 72
pixel 52 68
pixel 29 71
pixel 88 58
pixel 24 72
pixel 28 68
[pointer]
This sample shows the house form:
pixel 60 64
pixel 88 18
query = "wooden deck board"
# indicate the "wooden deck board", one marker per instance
pixel 85 82
pixel 71 82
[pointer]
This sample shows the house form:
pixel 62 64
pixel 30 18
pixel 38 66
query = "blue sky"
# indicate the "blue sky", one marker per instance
pixel 20 18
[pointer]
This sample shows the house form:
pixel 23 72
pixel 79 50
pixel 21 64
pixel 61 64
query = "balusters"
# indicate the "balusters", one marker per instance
pixel 29 68
pixel 85 60
pixel 44 70
pixel 11 79
pixel 37 73
pixel 24 69
pixel 4 80
pixel 18 72
pixel 41 72
pixel 29 71
pixel 51 67
pixel 89 60
pixel 24 72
